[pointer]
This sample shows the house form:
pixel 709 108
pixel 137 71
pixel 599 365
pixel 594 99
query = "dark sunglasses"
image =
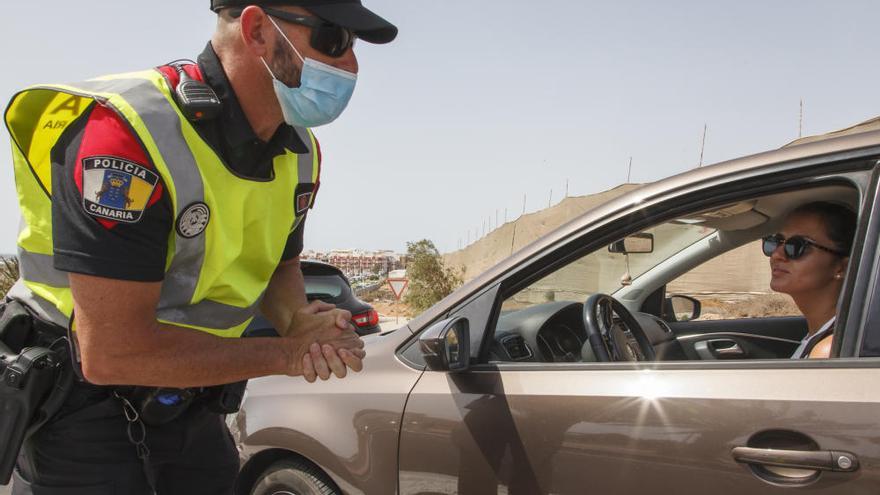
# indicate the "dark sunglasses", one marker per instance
pixel 794 247
pixel 330 39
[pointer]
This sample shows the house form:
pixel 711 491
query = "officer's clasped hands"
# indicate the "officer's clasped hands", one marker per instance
pixel 323 342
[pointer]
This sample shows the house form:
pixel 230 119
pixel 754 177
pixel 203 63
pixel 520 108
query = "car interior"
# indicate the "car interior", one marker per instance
pixel 615 303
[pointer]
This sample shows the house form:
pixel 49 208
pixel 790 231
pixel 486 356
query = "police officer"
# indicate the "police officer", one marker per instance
pixel 163 208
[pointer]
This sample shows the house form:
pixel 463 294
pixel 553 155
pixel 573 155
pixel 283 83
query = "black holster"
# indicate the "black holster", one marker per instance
pixel 35 379
pixel 225 399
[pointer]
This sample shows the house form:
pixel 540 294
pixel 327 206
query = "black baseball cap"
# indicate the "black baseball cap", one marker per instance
pixel 349 14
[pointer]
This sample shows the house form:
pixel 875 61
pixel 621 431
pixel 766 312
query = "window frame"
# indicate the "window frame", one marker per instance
pixel 864 285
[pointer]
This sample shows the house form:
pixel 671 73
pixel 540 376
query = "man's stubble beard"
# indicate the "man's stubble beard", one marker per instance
pixel 283 66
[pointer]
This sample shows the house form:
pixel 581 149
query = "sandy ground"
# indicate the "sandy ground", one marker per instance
pixel 390 308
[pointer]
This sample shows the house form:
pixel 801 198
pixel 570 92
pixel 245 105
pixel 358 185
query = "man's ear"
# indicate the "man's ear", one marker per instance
pixel 257 33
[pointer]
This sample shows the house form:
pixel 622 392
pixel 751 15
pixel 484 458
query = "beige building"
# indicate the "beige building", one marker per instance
pixel 357 262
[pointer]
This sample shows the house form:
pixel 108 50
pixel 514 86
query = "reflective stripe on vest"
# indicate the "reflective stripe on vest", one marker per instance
pixel 38 268
pixel 145 102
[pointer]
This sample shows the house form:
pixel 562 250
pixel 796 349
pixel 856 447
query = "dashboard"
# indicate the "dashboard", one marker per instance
pixel 554 333
pixel 544 333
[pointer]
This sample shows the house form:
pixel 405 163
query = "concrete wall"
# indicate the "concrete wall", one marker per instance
pixel 742 270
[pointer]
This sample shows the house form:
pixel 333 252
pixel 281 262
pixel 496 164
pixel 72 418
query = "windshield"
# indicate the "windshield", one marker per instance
pixel 601 271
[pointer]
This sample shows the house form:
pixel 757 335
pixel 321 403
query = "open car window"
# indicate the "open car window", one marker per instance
pixel 696 287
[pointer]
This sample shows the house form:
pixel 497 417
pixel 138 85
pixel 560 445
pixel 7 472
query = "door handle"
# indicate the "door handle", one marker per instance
pixel 828 460
pixel 719 349
pixel 725 348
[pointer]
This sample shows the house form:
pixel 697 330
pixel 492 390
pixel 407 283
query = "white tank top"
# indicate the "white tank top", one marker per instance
pixel 809 339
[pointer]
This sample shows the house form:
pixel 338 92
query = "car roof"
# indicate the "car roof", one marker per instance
pixel 316 267
pixel 862 140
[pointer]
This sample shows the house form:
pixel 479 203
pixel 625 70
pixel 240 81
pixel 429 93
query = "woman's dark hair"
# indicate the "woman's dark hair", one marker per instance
pixel 839 220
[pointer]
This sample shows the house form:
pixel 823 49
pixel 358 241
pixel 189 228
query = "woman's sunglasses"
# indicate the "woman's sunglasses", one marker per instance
pixel 330 39
pixel 794 247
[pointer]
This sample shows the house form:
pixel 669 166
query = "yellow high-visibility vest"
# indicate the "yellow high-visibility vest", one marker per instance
pixel 230 233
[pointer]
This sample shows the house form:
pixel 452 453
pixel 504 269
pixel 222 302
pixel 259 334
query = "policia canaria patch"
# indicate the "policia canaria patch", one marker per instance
pixel 116 189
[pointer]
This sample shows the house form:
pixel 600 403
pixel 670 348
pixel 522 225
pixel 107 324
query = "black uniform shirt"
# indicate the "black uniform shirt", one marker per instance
pixel 89 240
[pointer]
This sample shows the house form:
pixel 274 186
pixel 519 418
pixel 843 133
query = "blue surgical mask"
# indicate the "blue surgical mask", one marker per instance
pixel 322 95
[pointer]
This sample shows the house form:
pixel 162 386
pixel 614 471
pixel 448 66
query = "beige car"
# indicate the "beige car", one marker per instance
pixel 498 389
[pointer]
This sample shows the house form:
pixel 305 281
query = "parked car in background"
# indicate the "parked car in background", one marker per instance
pixel 327 283
pixel 569 368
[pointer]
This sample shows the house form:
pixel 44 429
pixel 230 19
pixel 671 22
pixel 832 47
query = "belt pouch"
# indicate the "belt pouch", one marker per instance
pixel 160 405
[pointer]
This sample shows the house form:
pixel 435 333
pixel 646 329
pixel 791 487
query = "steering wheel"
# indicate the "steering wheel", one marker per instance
pixel 623 341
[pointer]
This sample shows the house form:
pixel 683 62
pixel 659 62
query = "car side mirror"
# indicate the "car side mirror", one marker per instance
pixel 633 244
pixel 681 308
pixel 446 345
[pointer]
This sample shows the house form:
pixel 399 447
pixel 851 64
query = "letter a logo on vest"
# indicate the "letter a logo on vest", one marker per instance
pixel 116 189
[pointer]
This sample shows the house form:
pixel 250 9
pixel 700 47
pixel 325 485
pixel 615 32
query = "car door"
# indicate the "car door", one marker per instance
pixel 620 431
pixel 689 427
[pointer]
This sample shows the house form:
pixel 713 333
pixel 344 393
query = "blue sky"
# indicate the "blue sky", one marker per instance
pixel 479 103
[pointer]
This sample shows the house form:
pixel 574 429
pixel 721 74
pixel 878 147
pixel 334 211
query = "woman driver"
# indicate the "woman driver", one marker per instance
pixel 808 259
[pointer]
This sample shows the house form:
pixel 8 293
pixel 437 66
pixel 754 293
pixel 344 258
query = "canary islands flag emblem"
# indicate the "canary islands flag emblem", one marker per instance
pixel 116 189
